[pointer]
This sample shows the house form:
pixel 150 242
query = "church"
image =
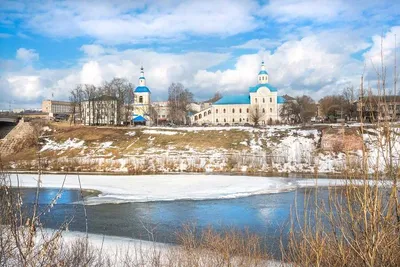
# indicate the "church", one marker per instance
pixel 262 103
pixel 142 102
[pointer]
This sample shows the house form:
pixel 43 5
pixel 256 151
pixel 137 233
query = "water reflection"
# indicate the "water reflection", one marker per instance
pixel 264 215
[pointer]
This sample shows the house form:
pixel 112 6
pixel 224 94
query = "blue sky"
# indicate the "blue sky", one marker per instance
pixel 309 47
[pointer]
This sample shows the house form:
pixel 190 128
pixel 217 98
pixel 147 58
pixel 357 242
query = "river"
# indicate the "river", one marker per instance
pixel 266 215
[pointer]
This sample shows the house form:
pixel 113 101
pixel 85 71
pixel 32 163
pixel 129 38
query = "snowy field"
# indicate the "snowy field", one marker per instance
pixel 120 189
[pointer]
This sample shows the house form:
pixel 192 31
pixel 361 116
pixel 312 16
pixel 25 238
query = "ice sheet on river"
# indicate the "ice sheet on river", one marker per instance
pixel 144 188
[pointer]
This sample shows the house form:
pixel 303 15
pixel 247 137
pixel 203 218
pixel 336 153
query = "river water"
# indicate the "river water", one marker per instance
pixel 265 215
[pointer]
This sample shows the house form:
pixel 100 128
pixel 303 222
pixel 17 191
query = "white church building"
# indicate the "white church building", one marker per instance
pixel 262 99
pixel 142 102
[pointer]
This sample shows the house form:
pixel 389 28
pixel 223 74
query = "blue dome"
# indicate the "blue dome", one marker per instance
pixel 263 72
pixel 142 89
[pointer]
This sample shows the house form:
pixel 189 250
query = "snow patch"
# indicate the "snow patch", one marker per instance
pixel 70 143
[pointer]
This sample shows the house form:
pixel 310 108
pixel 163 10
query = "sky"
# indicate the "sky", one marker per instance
pixel 314 47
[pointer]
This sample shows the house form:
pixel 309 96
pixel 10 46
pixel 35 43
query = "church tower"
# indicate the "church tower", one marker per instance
pixel 142 100
pixel 263 74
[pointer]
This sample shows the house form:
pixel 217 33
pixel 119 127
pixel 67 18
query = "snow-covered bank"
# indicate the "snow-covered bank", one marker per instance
pixel 119 189
pixel 141 253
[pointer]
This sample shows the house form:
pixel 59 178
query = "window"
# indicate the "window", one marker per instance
pixel 240 120
pixel 224 120
pixel 256 100
pixel 209 112
pixel 263 100
pixel 270 109
pixel 247 110
pixel 247 119
pixel 163 116
pixel 216 111
pixel 224 111
pixel 233 110
pixel 216 120
pixel 263 110
pixel 205 113
pixel 199 116
pixel 270 99
pixel 140 99
pixel 233 120
pixel 240 110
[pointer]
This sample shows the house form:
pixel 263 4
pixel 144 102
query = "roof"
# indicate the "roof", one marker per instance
pixel 255 88
pixel 142 89
pixel 142 78
pixel 233 99
pixel 280 99
pixel 262 72
pixel 139 119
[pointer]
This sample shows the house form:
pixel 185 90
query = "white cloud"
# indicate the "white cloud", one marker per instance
pixel 25 87
pixel 137 22
pixel 27 55
pixel 93 50
pixel 286 10
pixel 259 44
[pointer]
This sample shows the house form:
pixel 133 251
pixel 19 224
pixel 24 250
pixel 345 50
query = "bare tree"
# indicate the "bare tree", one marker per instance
pixel 256 115
pixel 300 110
pixel 179 99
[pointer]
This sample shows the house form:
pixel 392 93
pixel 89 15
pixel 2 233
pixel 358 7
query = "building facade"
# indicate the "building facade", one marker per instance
pixel 56 107
pixel 260 106
pixel 161 109
pixel 142 102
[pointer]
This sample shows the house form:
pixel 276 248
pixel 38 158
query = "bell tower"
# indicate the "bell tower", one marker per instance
pixel 263 74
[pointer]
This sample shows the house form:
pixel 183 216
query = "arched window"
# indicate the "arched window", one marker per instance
pixel 224 120
pixel 270 99
pixel 247 110
pixel 270 109
pixel 256 100
pixel 247 119
pixel 233 110
pixel 263 100
pixel 240 120
pixel 216 120
pixel 263 110
pixel 224 111
pixel 233 120
pixel 240 110
pixel 140 99
pixel 199 116
pixel 205 113
pixel 216 111
pixel 195 117
pixel 209 112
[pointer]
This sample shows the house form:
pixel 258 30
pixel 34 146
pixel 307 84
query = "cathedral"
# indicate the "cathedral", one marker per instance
pixel 262 101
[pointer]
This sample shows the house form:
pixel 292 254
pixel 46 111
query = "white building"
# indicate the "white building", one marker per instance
pixel 142 102
pixel 262 100
pixel 162 111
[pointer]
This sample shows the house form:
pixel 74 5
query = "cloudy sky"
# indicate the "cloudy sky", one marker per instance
pixel 309 47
